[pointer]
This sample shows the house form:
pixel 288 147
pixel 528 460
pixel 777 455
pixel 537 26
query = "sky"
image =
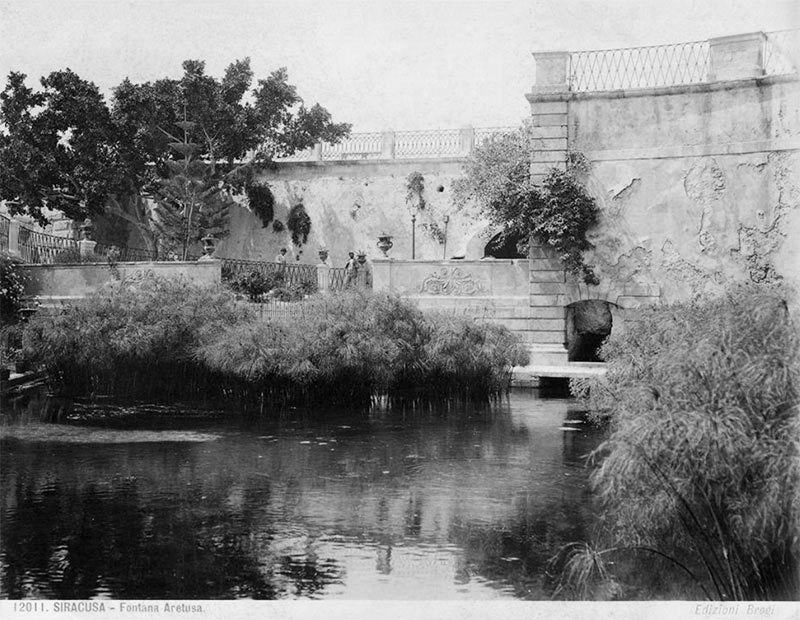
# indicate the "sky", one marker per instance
pixel 378 64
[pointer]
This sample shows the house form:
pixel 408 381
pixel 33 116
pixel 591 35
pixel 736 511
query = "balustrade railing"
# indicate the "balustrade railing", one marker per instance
pixel 433 143
pixel 357 146
pixel 417 144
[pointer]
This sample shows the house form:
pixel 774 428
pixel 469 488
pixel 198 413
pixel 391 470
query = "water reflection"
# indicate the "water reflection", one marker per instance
pixel 429 504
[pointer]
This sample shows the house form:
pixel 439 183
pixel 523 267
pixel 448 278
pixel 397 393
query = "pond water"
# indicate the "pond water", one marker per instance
pixel 456 502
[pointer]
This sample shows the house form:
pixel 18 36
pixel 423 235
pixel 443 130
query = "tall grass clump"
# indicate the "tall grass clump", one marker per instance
pixel 702 467
pixel 348 347
pixel 132 339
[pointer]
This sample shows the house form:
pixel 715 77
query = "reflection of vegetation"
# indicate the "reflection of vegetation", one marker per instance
pixel 241 516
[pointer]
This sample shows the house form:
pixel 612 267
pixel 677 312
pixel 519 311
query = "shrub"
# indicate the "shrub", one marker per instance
pixel 131 339
pixel 349 346
pixel 12 289
pixel 702 465
pixel 557 213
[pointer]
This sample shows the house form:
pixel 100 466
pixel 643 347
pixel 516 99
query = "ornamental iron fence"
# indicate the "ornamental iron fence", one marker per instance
pixel 639 67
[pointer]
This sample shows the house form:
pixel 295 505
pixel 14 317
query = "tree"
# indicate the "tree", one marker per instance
pixel 64 148
pixel 191 202
pixel 57 148
pixel 558 213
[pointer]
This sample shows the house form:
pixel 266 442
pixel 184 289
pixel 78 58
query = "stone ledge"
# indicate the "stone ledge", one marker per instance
pixel 696 150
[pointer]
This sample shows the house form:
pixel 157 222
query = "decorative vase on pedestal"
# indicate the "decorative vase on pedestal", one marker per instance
pixel 385 244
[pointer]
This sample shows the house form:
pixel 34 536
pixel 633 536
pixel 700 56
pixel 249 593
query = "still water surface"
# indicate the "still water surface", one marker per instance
pixel 452 503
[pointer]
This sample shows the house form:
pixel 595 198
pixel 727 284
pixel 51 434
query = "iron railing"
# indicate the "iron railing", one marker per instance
pixel 639 67
pixel 782 52
pixel 4 228
pixel 233 268
pixel 40 248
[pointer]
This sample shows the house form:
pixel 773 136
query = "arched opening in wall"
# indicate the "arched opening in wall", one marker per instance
pixel 503 246
pixel 588 324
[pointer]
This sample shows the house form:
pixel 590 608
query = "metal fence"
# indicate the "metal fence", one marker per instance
pixel 40 248
pixel 4 228
pixel 233 268
pixel 639 67
pixel 670 65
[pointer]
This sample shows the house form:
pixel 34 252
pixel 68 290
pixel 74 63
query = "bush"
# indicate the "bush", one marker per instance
pixel 349 346
pixel 131 339
pixel 702 465
pixel 12 290
pixel 165 339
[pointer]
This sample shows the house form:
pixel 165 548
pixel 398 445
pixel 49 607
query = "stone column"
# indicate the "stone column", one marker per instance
pixel 86 247
pixel 736 57
pixel 317 155
pixel 382 274
pixel 323 277
pixel 549 113
pixel 466 141
pixel 13 238
pixel 387 145
pixel 548 316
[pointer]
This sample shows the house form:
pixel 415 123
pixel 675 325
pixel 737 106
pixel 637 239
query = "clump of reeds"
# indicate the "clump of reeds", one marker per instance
pixel 702 464
pixel 163 339
pixel 132 339
pixel 350 346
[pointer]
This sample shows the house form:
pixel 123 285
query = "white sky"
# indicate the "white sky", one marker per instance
pixel 377 64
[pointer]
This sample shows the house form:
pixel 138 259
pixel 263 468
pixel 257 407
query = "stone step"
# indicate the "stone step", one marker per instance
pixel 547 355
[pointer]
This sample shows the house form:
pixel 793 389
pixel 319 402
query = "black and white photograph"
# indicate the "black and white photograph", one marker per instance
pixel 434 309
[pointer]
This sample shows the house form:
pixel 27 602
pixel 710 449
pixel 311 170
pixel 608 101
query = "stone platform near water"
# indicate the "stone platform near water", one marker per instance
pixel 530 376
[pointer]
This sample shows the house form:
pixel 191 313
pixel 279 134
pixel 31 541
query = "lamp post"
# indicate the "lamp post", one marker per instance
pixel 444 249
pixel 413 235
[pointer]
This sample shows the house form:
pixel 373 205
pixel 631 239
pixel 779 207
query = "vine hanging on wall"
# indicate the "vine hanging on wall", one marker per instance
pixel 415 186
pixel 299 223
pixel 261 202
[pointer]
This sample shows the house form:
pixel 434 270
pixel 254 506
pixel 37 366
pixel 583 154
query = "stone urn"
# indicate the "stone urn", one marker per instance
pixel 323 255
pixel 385 244
pixel 87 230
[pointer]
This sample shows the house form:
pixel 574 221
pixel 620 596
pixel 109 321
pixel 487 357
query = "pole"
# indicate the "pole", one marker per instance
pixel 444 249
pixel 413 236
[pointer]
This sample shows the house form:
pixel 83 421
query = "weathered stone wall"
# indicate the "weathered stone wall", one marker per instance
pixel 351 203
pixel 698 185
pixel 54 283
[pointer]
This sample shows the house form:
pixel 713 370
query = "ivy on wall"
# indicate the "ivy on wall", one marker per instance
pixel 557 213
pixel 299 223
pixel 261 202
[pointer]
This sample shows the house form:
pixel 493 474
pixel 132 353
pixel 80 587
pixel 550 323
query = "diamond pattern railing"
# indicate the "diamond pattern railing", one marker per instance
pixel 639 67
pixel 782 52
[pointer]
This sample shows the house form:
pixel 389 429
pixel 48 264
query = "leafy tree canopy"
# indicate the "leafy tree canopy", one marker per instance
pixel 557 213
pixel 63 147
